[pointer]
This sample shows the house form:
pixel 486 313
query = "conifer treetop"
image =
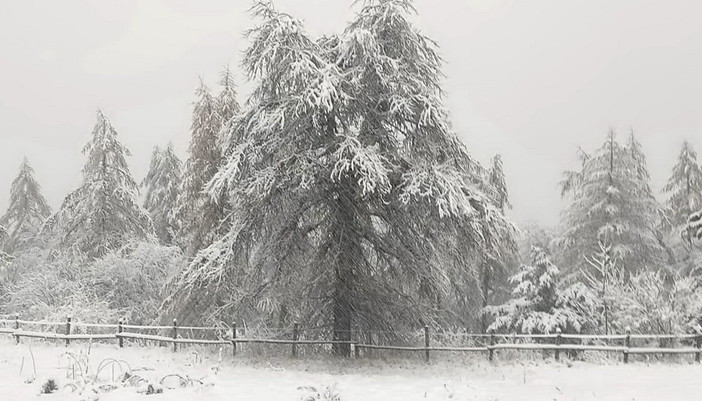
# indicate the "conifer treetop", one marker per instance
pixel 27 211
pixel 684 189
pixel 103 213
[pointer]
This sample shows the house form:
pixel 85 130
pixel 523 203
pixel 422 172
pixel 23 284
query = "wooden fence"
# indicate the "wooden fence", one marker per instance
pixel 493 342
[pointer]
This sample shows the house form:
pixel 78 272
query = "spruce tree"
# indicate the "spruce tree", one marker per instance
pixel 537 304
pixel 103 214
pixel 684 189
pixel 197 213
pixel 27 212
pixel 610 202
pixel 353 201
pixel 161 185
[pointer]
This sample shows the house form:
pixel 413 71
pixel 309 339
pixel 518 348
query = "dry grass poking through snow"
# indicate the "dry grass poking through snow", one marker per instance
pixel 105 372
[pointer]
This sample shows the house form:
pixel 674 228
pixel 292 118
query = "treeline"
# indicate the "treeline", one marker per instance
pixel 339 195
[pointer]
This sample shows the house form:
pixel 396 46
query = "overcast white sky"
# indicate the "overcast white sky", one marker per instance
pixel 531 80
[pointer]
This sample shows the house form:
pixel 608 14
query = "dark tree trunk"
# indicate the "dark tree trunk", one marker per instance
pixel 342 319
pixel 349 255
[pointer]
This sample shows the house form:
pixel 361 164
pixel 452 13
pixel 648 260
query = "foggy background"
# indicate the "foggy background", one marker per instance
pixel 530 80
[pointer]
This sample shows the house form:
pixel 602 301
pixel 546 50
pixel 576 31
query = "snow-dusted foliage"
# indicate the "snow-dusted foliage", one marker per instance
pixel 650 302
pixel 498 181
pixel 684 189
pixel 5 258
pixel 133 279
pixel 611 201
pixel 26 214
pixel 352 201
pixel 52 288
pixel 103 214
pixel 161 185
pixel 128 282
pixel 494 271
pixel 199 215
pixel 608 280
pixel 662 303
pixel 227 104
pixel 538 306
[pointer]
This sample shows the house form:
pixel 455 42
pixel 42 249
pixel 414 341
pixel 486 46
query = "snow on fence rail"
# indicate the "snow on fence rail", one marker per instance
pixel 556 344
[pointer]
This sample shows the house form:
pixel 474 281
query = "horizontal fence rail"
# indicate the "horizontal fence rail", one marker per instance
pixel 229 336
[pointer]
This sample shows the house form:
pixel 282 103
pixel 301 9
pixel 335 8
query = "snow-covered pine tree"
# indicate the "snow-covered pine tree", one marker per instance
pixel 27 212
pixel 537 305
pixel 493 270
pixel 684 189
pixel 611 202
pixel 103 214
pixel 161 184
pixel 655 209
pixel 349 190
pixel 198 215
pixel 498 182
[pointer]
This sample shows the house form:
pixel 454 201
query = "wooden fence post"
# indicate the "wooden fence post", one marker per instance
pixel 426 343
pixel 628 344
pixel 68 329
pixel 296 336
pixel 175 334
pixel 491 350
pixel 698 344
pixel 234 339
pixel 17 327
pixel 558 343
pixel 120 329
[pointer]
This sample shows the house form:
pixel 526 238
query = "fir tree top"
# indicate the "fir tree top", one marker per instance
pixel 27 212
pixel 611 201
pixel 684 189
pixel 103 213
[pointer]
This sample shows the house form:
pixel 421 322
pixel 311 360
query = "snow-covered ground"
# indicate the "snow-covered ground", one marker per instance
pixel 213 379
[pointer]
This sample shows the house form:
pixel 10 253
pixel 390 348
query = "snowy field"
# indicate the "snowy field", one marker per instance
pixel 211 379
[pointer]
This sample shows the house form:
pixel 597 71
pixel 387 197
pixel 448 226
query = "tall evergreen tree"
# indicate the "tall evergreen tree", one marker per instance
pixel 684 189
pixel 492 269
pixel 162 184
pixel 27 212
pixel 103 214
pixel 611 202
pixel 499 184
pixel 658 214
pixel 351 196
pixel 197 213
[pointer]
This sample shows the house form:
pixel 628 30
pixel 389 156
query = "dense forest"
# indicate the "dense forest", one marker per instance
pixel 338 194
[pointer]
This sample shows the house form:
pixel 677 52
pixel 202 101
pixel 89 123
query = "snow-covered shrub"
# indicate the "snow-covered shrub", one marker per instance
pixel 658 303
pixel 131 280
pixel 650 302
pixel 538 306
pixel 126 283
pixel 53 289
